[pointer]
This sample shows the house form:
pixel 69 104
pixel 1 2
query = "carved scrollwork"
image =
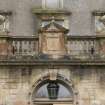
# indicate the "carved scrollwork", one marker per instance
pixel 2 19
pixel 100 24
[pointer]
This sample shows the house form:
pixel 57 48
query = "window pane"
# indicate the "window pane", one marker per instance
pixel 52 4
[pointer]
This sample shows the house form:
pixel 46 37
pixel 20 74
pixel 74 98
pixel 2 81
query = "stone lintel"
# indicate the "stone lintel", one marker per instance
pixel 52 63
pixel 50 11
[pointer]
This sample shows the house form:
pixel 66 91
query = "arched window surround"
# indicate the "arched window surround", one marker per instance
pixel 61 79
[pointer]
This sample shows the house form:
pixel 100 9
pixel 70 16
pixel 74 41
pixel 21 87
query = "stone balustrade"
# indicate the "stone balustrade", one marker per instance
pixel 78 47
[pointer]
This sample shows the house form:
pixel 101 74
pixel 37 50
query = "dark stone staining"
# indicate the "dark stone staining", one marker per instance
pixel 13 80
pixel 44 56
pixel 102 79
pixel 25 75
pixel 26 72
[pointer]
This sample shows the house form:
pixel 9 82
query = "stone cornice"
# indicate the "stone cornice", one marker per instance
pixel 52 63
pixel 36 37
pixel 24 37
pixel 50 11
pixel 92 37
pixel 18 37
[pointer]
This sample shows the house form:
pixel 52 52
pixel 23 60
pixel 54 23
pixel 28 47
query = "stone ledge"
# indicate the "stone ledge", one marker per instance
pixel 52 63
pixel 98 13
pixel 5 12
pixel 5 35
pixel 85 37
pixel 24 37
pixel 50 11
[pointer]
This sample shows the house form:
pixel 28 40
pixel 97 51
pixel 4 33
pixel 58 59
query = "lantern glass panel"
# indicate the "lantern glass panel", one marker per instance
pixel 53 89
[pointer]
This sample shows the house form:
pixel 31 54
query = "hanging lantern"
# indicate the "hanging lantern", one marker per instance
pixel 53 89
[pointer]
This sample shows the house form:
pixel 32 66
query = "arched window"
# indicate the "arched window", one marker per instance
pixel 63 92
pixel 52 90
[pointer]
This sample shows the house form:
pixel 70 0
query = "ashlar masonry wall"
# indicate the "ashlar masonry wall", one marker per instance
pixel 16 83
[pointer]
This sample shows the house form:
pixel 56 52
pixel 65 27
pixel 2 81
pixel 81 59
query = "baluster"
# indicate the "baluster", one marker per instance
pixel 29 47
pixel 16 47
pixel 20 47
pixel 32 46
pixel 24 47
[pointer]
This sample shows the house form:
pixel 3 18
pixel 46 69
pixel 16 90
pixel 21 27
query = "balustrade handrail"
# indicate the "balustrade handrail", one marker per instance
pixel 69 37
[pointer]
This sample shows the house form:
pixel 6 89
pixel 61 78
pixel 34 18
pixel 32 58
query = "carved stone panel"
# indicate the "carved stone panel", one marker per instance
pixel 4 23
pixel 100 24
pixel 53 44
pixel 52 40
